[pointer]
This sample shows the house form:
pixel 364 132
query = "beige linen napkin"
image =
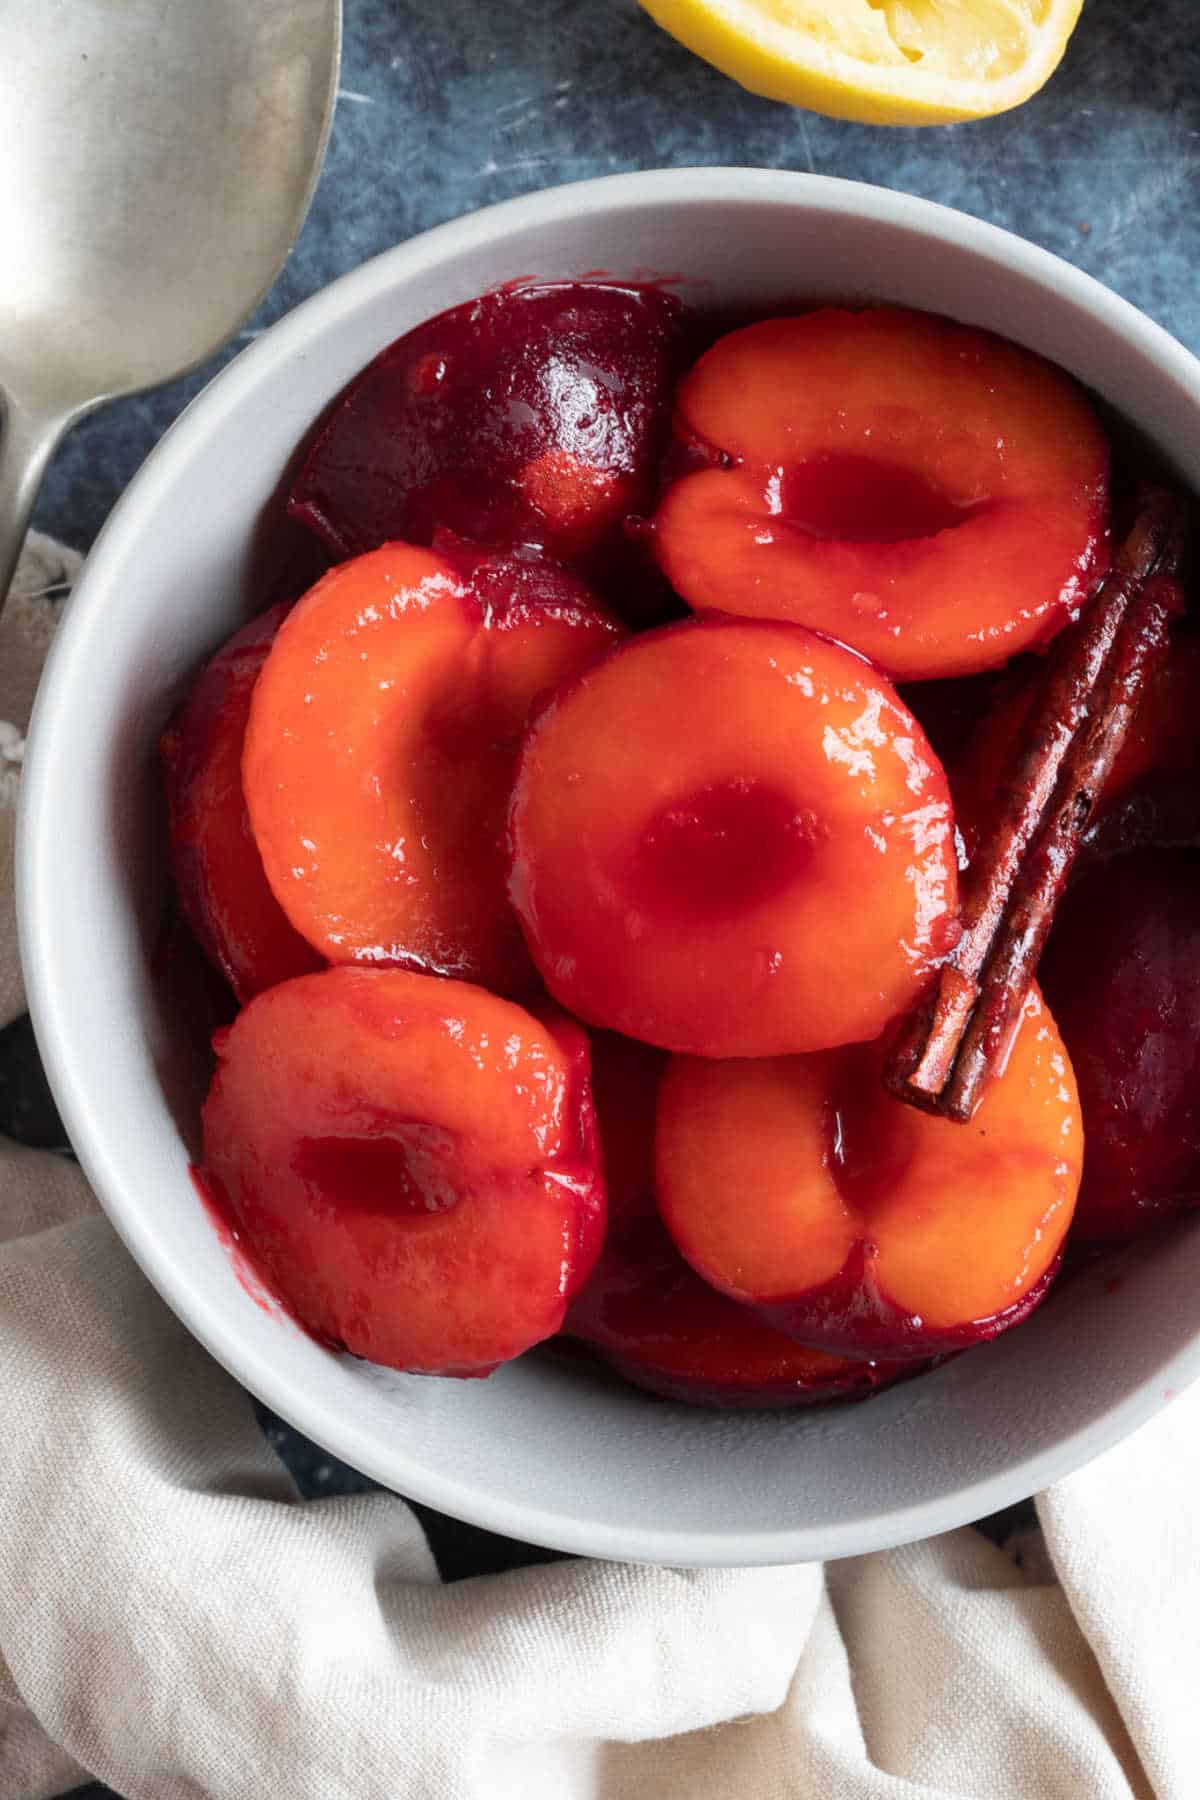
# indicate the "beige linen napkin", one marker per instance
pixel 175 1620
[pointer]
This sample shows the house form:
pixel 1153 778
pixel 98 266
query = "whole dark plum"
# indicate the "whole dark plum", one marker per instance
pixel 534 416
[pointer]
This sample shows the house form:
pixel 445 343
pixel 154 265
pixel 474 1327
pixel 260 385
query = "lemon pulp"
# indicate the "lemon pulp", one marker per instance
pixel 897 62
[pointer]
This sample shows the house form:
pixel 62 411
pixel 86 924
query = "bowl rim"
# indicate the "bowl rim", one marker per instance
pixel 49 999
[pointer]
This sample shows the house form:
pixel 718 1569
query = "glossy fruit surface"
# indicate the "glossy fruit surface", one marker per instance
pixel 1122 970
pixel 732 838
pixel 532 415
pixel 411 1162
pixel 381 745
pixel 931 495
pixel 218 872
pixel 855 1223
pixel 648 1314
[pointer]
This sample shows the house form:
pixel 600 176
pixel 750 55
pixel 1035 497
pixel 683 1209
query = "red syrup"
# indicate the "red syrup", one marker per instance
pixel 409 1173
pixel 858 500
pixel 720 850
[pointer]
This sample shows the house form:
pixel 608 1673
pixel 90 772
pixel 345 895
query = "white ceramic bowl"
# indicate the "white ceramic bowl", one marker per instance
pixel 540 1451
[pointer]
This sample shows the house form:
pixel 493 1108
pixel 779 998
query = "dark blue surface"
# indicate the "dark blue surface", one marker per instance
pixel 447 108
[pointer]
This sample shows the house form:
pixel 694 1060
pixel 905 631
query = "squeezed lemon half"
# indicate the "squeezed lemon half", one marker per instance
pixel 884 62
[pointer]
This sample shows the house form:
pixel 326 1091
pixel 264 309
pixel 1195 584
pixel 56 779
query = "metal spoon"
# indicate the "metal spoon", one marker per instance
pixel 161 155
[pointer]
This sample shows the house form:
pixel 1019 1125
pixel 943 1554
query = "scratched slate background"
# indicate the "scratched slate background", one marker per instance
pixel 446 107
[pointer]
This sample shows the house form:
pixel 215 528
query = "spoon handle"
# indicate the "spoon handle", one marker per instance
pixel 27 442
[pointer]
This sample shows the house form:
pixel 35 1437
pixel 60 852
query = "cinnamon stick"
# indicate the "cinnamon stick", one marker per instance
pixel 1043 879
pixel 956 1036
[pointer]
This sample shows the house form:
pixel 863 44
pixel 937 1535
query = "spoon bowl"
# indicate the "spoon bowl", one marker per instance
pixel 162 158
